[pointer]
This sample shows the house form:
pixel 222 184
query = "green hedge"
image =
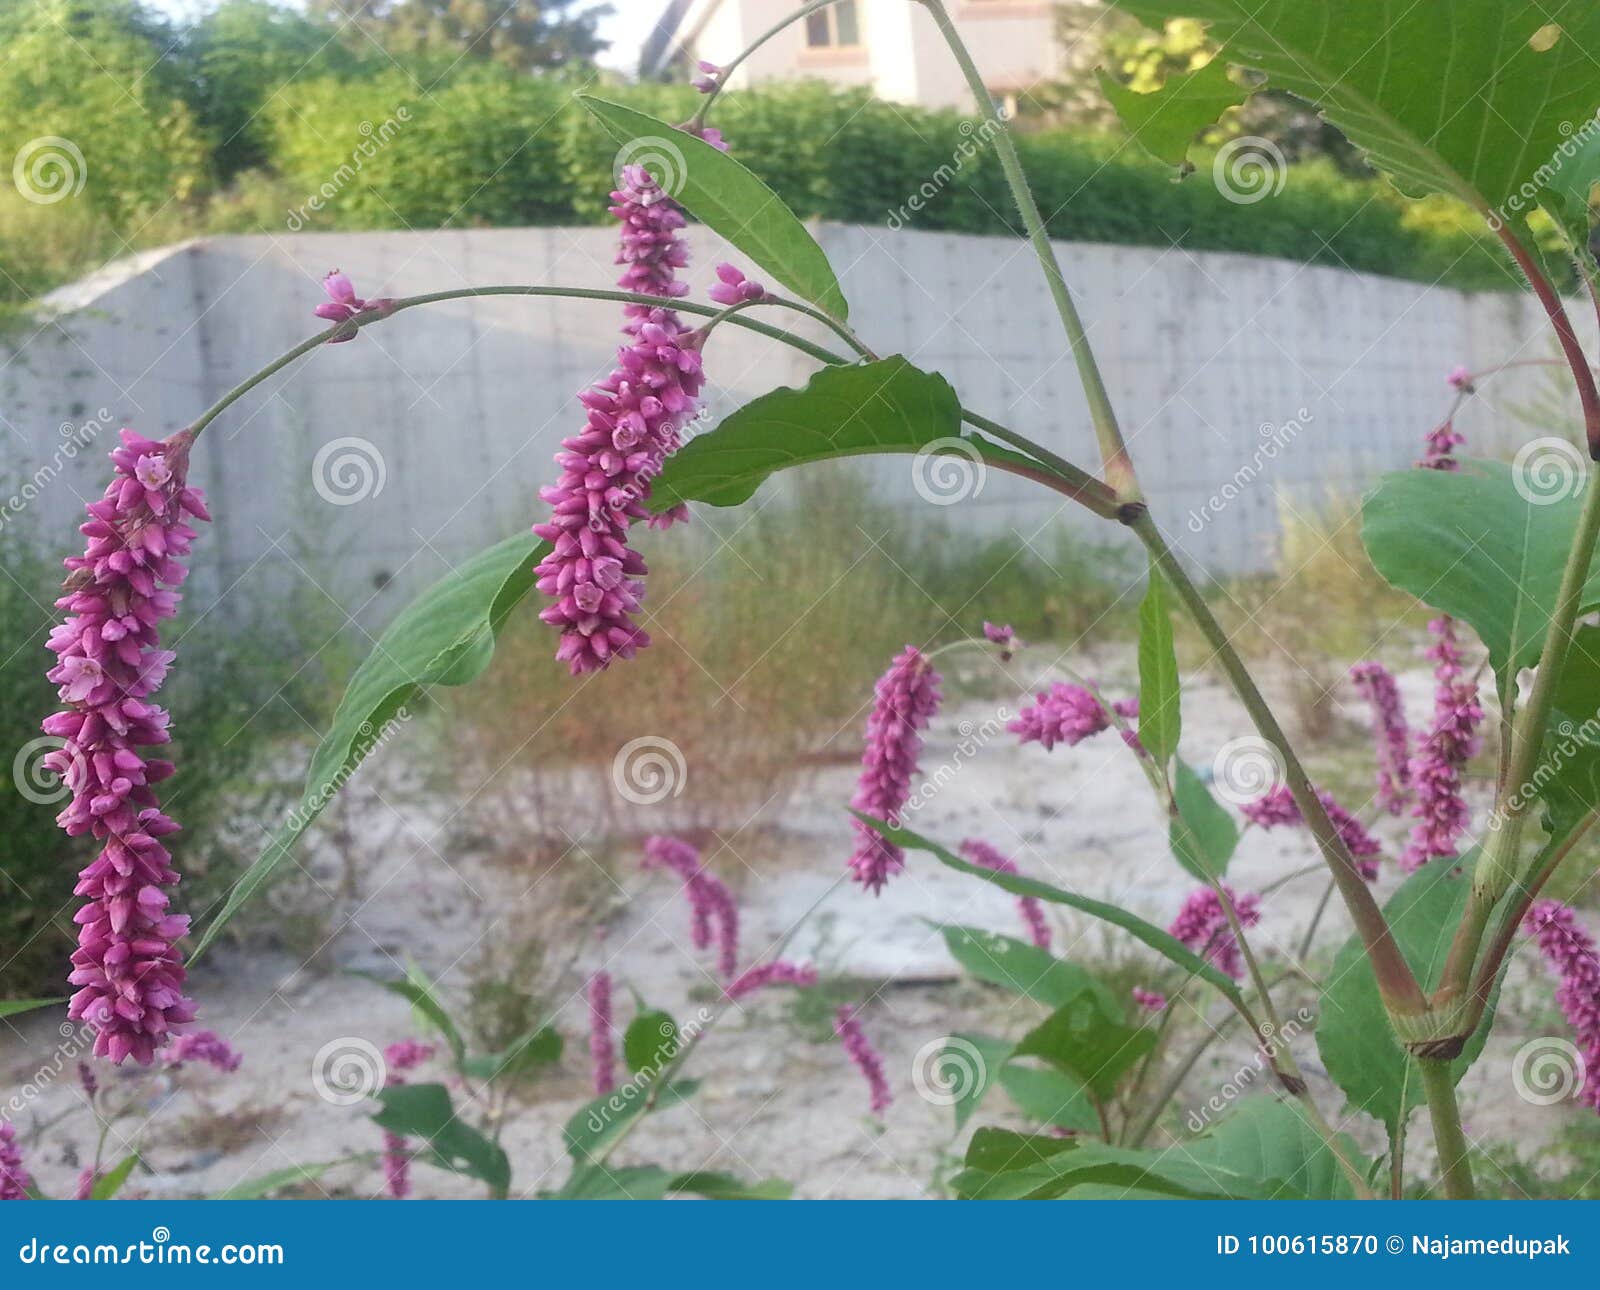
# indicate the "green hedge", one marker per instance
pixel 491 148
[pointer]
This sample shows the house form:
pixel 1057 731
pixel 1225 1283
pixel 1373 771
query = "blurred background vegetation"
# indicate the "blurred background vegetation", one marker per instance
pixel 232 121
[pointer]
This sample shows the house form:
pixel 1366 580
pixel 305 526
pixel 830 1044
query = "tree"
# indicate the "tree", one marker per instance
pixel 527 35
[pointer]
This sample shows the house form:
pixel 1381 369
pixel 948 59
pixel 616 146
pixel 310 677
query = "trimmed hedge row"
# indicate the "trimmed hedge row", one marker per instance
pixel 495 149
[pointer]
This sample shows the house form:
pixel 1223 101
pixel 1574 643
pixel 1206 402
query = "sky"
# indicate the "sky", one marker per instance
pixel 625 28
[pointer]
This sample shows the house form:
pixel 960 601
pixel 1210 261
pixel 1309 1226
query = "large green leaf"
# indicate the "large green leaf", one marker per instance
pixel 1204 836
pixel 533 1051
pixel 419 992
pixel 1354 1038
pixel 1569 191
pixel 108 1184
pixel 727 198
pixel 649 1043
pixel 1011 1166
pixel 1163 943
pixel 887 406
pixel 1270 1138
pixel 444 637
pixel 593 1127
pixel 422 1113
pixel 1023 967
pixel 15 1007
pixel 1096 1048
pixel 1166 120
pixel 972 1063
pixel 1469 543
pixel 1050 1096
pixel 1450 96
pixel 1160 721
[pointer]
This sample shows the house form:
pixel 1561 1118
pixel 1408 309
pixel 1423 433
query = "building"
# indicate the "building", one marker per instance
pixel 889 46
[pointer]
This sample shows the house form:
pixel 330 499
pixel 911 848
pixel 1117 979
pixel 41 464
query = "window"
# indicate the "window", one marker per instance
pixel 834 27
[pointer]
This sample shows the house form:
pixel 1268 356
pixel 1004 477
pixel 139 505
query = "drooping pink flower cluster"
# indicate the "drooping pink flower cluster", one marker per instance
pixel 203 1046
pixel 858 1048
pixel 710 75
pixel 343 304
pixel 602 1034
pixel 1438 448
pixel 906 698
pixel 1069 714
pixel 398 1059
pixel 1277 807
pixel 1002 635
pixel 1461 378
pixel 635 421
pixel 1569 952
pixel 733 288
pixel 1391 737
pixel 987 857
pixel 127 966
pixel 713 913
pixel 1203 926
pixel 14 1177
pixel 1149 1000
pixel 1442 755
pixel 777 972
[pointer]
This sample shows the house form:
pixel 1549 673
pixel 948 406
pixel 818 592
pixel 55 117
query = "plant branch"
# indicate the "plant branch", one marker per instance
pixel 1454 1167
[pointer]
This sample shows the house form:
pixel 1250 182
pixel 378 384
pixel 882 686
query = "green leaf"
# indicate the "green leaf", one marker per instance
pixel 593 1127
pixel 15 1007
pixel 1023 967
pixel 650 1042
pixel 729 199
pixel 1165 121
pixel 651 1182
pixel 887 406
pixel 720 1186
pixel 1269 1138
pixel 1163 943
pixel 418 990
pixel 1050 1096
pixel 1012 1166
pixel 1468 543
pixel 423 1113
pixel 108 1184
pixel 957 1060
pixel 1358 1048
pixel 1205 839
pixel 1093 1046
pixel 1443 97
pixel 536 1049
pixel 1568 195
pixel 444 637
pixel 1160 719
pixel 278 1179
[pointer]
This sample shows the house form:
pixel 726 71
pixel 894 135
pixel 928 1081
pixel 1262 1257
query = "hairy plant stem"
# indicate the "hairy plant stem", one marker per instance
pixel 1455 1169
pixel 1117 466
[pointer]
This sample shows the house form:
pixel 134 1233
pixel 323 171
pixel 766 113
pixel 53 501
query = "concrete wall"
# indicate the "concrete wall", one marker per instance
pixel 457 408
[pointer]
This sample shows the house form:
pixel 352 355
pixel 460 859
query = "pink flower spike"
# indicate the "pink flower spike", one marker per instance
pixel 399 1058
pixel 1441 757
pixel 1390 734
pixel 777 972
pixel 986 857
pixel 713 913
pixel 1277 807
pixel 602 1035
pixel 1461 378
pixel 907 697
pixel 858 1048
pixel 1203 926
pixel 678 514
pixel 15 1180
pixel 1064 713
pixel 1149 1000
pixel 1569 952
pixel 203 1046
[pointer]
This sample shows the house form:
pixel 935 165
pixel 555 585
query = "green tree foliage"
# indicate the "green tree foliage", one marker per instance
pixel 526 35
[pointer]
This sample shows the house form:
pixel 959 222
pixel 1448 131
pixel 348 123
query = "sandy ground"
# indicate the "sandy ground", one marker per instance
pixel 777 1097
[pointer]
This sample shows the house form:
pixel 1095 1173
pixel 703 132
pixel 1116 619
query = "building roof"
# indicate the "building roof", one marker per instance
pixel 664 38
